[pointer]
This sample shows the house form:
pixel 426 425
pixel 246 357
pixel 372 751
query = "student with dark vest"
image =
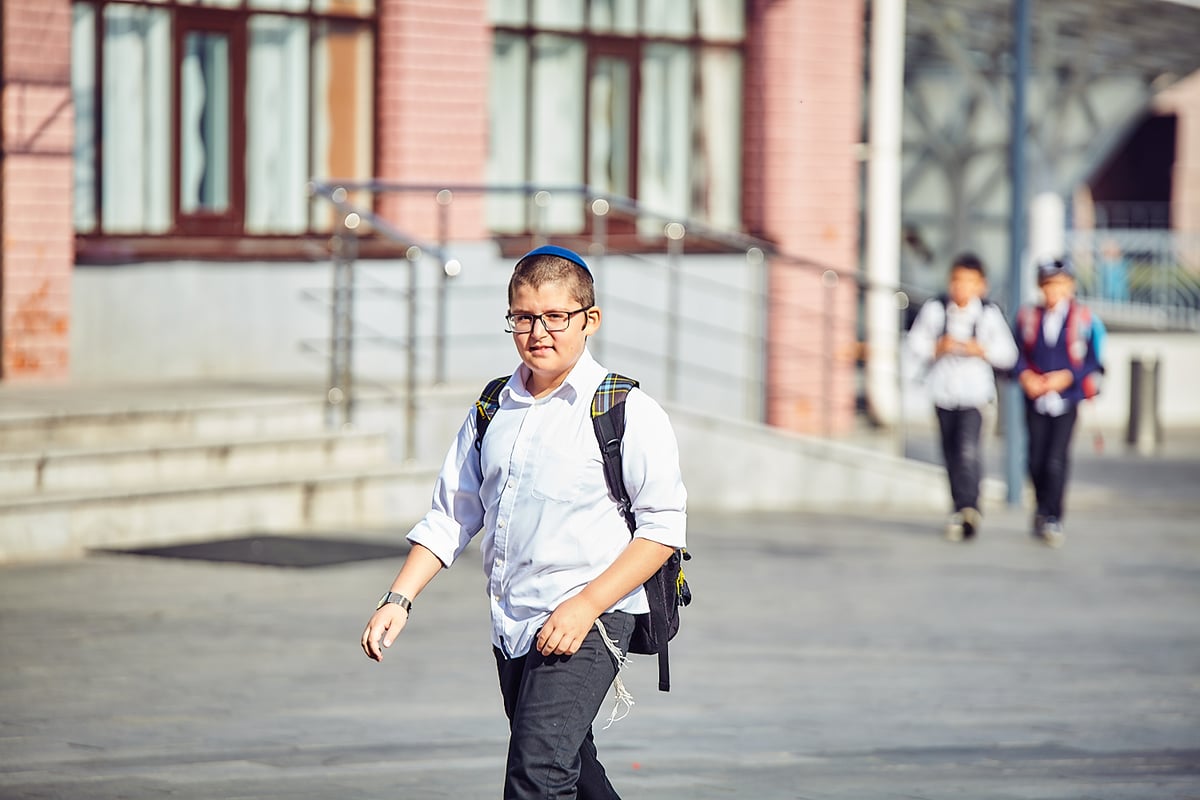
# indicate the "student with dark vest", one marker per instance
pixel 1059 366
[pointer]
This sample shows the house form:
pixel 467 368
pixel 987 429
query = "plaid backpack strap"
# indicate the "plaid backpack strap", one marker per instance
pixel 486 405
pixel 608 420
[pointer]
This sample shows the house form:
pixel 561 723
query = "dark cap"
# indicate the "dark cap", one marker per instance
pixel 561 252
pixel 1049 268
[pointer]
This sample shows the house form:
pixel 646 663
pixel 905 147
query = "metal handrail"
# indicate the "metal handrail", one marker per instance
pixel 352 217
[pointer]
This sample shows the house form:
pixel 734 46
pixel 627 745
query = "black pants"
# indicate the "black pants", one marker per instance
pixel 962 453
pixel 1049 457
pixel 551 702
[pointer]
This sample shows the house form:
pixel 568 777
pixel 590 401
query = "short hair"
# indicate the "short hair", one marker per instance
pixel 968 260
pixel 537 269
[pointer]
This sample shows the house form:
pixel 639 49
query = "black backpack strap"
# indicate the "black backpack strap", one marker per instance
pixel 608 420
pixel 486 405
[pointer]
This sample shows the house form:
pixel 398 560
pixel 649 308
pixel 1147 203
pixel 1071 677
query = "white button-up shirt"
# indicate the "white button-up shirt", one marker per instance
pixel 959 381
pixel 538 493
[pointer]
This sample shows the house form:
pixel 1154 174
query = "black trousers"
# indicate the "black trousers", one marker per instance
pixel 1049 457
pixel 962 453
pixel 551 702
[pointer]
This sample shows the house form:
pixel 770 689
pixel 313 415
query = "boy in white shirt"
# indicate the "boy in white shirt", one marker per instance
pixel 563 574
pixel 962 337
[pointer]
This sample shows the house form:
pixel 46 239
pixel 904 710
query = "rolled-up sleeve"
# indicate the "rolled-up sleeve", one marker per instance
pixel 998 346
pixel 650 463
pixel 456 512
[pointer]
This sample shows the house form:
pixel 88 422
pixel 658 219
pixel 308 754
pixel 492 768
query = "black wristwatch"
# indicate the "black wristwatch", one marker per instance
pixel 397 598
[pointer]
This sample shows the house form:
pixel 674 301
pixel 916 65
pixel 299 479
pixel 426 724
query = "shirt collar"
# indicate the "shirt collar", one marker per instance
pixel 972 306
pixel 1060 309
pixel 581 381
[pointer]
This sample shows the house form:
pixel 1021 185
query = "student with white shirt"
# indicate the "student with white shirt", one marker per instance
pixel 1059 366
pixel 563 574
pixel 961 337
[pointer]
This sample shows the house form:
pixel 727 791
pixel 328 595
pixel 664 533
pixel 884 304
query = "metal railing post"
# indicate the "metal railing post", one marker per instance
pixel 340 394
pixel 600 209
pixel 829 280
pixel 541 201
pixel 675 233
pixel 413 254
pixel 444 199
pixel 756 261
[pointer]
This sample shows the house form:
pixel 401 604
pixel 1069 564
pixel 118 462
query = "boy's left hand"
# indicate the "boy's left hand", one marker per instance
pixel 563 633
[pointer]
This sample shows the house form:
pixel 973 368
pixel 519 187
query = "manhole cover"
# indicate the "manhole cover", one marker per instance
pixel 274 551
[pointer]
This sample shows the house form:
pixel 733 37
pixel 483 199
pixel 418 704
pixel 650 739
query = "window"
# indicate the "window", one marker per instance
pixel 207 118
pixel 635 98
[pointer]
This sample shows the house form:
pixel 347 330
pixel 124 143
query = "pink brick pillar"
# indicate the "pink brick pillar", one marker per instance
pixel 803 122
pixel 433 109
pixel 35 190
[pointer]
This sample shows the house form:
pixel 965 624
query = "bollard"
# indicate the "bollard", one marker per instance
pixel 1145 432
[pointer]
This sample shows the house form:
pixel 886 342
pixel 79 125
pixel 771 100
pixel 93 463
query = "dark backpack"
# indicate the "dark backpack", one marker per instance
pixel 666 589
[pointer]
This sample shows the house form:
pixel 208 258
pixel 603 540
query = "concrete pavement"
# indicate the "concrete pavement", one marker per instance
pixel 825 656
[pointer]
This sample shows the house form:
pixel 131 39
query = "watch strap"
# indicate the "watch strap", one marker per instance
pixel 397 598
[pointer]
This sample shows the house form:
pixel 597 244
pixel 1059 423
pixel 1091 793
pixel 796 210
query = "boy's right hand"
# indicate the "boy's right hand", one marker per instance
pixel 382 629
pixel 1033 384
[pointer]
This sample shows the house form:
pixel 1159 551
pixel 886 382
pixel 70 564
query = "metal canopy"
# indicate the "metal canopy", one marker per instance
pixel 1096 66
pixel 1153 39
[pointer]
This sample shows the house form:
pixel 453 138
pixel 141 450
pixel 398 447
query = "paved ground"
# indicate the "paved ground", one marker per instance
pixel 824 657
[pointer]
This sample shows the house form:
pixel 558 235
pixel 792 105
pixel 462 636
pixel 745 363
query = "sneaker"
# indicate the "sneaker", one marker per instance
pixel 1038 531
pixel 954 527
pixel 971 520
pixel 1053 534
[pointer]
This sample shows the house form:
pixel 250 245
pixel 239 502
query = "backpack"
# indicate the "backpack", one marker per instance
pixel 667 589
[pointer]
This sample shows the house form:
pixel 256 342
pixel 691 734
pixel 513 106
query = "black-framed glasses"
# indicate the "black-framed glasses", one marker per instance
pixel 552 321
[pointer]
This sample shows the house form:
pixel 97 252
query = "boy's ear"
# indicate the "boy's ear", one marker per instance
pixel 593 317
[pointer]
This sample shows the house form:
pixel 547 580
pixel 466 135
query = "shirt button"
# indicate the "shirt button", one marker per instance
pixel 510 484
pixel 500 524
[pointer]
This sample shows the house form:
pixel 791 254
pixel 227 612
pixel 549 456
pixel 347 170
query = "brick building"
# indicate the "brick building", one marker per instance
pixel 154 149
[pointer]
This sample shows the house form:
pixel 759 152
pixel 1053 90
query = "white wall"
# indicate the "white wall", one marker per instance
pixel 200 320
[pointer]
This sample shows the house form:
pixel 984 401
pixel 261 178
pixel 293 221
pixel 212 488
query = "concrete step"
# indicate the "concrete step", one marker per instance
pixel 54 525
pixel 33 430
pixel 108 467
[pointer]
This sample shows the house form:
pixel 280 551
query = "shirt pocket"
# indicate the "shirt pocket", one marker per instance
pixel 560 474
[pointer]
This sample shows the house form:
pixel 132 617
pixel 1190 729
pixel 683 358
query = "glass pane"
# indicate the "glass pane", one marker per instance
pixel 83 96
pixel 215 3
pixel 722 19
pixel 609 128
pixel 665 133
pixel 506 12
pixel 360 7
pixel 668 17
pixel 717 176
pixel 558 14
pixel 617 16
pixel 277 113
pixel 280 5
pixel 204 123
pixel 342 108
pixel 507 104
pixel 556 139
pixel 136 120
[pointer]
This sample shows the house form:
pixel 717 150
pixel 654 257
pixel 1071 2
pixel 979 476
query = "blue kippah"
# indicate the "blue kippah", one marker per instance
pixel 561 252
